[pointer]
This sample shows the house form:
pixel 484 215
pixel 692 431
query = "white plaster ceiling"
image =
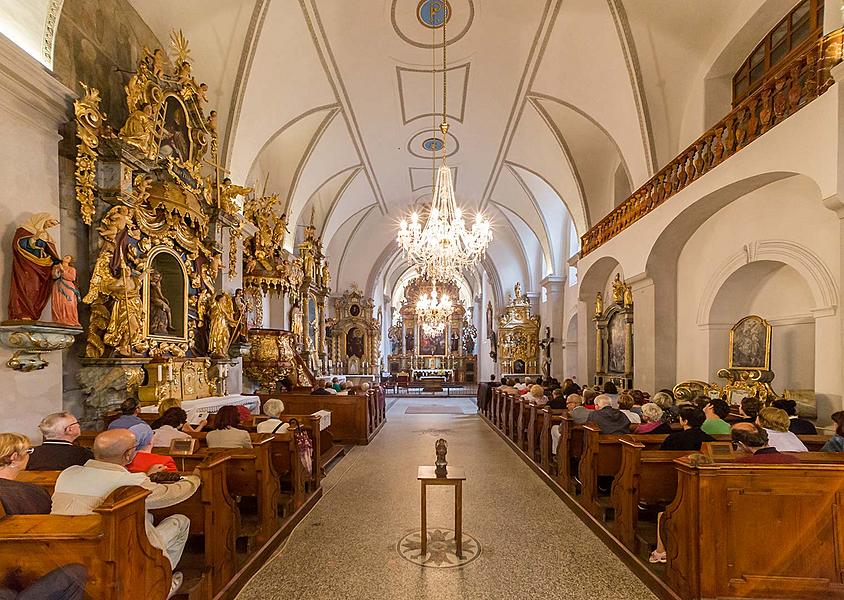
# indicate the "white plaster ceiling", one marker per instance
pixel 328 103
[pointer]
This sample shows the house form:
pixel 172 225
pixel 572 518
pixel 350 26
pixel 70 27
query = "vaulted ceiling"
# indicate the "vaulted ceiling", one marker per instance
pixel 558 110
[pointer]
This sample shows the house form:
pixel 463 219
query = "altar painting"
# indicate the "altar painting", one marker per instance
pixel 174 137
pixel 432 345
pixel 616 343
pixel 354 343
pixel 750 344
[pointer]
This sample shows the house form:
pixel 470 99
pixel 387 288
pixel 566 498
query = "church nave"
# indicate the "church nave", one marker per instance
pixel 532 545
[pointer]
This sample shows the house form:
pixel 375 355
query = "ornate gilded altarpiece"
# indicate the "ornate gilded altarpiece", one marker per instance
pixel 518 336
pixel 614 336
pixel 453 349
pixel 354 336
pixel 157 202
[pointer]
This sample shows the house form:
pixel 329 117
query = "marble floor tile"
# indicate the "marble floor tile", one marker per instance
pixel 532 545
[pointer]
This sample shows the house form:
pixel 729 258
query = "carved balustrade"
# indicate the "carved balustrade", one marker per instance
pixel 785 92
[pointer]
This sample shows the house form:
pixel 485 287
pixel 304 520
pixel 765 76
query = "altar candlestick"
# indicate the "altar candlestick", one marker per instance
pixel 159 372
pixel 170 372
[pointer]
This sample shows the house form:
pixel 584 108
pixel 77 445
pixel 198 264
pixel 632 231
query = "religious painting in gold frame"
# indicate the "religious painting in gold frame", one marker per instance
pixel 165 296
pixel 750 344
pixel 173 131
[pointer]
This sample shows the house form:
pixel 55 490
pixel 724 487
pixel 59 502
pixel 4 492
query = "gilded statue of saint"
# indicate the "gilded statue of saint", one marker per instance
pixel 599 304
pixel 230 191
pixel 517 290
pixel 617 289
pixel 124 331
pixel 221 320
pixel 139 128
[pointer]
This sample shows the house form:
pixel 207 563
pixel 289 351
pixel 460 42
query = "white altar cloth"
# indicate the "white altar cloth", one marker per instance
pixel 212 404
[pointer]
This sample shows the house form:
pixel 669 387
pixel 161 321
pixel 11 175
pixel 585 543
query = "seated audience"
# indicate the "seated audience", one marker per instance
pixel 364 387
pixel 19 497
pixel 227 432
pixel 775 422
pixel 836 442
pixel 610 420
pixel 336 385
pixel 319 388
pixel 558 399
pixel 748 410
pixel 167 404
pixel 716 410
pixel 639 400
pixel 509 386
pixel 625 405
pixel 521 387
pixel 492 382
pixel 346 389
pixel 652 420
pixel 691 436
pixel 611 390
pixel 58 452
pixel 130 409
pixel 172 425
pixel 665 401
pixel 578 412
pixel 273 409
pixel 284 385
pixel 589 396
pixel 796 425
pixel 536 395
pixel 751 442
pixel 81 489
pixel 145 461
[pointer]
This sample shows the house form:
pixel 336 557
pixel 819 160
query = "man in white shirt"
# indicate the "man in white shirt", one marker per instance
pixel 82 488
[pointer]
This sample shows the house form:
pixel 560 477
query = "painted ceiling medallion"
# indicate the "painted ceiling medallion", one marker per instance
pixel 432 145
pixel 431 13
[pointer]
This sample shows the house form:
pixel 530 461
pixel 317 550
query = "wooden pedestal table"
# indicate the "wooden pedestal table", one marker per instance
pixel 455 476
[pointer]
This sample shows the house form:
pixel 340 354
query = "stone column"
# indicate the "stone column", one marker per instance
pixel 553 314
pixel 33 107
pixel 644 336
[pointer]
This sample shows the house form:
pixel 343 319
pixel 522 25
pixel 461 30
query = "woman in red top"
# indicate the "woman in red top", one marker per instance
pixel 145 461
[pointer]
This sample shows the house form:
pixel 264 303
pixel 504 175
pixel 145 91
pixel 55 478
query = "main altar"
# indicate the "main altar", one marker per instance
pixel 451 351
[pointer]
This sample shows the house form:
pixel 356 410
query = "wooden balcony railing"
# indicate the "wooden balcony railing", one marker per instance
pixel 799 82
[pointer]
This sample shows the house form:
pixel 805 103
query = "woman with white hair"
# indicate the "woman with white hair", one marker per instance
pixel 273 409
pixel 652 420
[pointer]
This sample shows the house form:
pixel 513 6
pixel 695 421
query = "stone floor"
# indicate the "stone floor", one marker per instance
pixel 531 545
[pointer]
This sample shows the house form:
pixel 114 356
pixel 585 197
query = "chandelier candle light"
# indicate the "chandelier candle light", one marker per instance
pixel 443 246
pixel 433 312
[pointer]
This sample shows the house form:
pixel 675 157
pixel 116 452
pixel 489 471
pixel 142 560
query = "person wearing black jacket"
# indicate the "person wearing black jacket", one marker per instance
pixel 58 452
pixel 691 437
pixel 796 425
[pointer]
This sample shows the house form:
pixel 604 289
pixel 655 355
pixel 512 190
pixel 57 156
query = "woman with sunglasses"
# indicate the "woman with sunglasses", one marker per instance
pixel 18 497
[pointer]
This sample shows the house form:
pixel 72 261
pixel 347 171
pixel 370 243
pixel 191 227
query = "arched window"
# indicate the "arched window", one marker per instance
pixel 800 27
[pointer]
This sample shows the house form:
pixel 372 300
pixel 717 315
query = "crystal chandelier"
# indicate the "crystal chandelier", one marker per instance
pixel 442 247
pixel 433 311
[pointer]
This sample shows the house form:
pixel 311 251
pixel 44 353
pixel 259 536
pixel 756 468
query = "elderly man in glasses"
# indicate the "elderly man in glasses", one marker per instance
pixel 58 451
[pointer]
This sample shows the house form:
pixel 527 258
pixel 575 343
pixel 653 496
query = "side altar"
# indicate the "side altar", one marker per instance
pixel 158 206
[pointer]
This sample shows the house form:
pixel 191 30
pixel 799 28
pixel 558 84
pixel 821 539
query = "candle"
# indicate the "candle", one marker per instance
pixel 170 371
pixel 159 372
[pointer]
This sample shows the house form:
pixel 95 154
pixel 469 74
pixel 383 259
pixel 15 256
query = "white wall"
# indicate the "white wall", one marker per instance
pixel 32 108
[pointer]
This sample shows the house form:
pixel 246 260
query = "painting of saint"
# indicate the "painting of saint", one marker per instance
pixel 616 344
pixel 160 316
pixel 354 343
pixel 432 345
pixel 175 136
pixel 165 296
pixel 750 343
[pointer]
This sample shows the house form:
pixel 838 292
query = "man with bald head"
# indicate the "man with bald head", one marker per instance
pixel 751 442
pixel 82 488
pixel 58 451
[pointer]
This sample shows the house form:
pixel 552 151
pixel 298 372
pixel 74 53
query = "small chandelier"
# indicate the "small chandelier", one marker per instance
pixel 442 247
pixel 433 312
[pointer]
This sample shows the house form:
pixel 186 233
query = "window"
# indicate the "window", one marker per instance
pixel 803 24
pixel 574 248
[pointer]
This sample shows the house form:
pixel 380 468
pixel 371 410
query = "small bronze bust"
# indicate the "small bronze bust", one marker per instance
pixel 441 447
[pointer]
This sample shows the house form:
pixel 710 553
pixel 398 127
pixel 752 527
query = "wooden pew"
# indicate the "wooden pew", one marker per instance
pixel 112 544
pixel 352 420
pixel 212 512
pixel 755 531
pixel 569 453
pixel 519 431
pixel 249 473
pixel 644 477
pixel 324 449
